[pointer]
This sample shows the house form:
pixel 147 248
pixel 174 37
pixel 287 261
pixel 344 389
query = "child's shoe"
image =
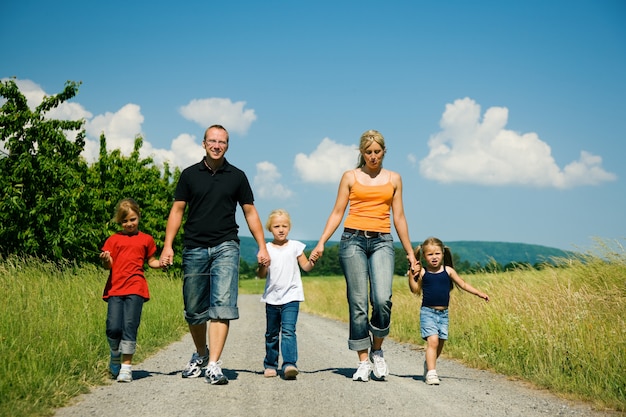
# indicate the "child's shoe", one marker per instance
pixel 432 378
pixel 126 374
pixel 115 364
pixel 290 372
pixel 269 373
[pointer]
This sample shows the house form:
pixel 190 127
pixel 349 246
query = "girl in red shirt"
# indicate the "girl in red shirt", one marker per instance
pixel 124 254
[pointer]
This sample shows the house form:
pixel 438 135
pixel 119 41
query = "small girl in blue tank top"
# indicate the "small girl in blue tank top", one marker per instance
pixel 435 282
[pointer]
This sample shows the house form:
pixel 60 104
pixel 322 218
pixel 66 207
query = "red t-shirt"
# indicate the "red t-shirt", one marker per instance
pixel 129 254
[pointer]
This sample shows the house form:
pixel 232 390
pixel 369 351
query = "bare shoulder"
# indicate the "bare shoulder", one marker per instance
pixel 349 177
pixel 450 270
pixel 395 178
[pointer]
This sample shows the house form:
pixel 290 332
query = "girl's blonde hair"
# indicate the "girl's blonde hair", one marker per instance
pixel 366 140
pixel 447 257
pixel 123 209
pixel 275 213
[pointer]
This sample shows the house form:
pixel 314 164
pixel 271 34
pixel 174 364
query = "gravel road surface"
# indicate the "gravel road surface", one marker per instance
pixel 323 388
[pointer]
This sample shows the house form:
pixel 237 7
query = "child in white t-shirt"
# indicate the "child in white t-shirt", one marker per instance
pixel 283 294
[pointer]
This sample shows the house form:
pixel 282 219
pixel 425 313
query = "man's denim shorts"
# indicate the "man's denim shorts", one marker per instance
pixel 211 282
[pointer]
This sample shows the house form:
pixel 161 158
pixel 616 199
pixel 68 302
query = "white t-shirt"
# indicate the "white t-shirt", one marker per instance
pixel 283 282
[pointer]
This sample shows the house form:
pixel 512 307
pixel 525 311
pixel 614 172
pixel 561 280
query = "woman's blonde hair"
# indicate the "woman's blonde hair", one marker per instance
pixel 275 213
pixel 366 140
pixel 123 209
pixel 447 257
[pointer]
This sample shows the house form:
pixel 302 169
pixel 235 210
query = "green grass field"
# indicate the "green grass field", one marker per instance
pixel 560 328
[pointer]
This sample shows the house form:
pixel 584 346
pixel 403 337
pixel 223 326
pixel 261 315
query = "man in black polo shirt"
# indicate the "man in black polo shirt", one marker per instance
pixel 211 190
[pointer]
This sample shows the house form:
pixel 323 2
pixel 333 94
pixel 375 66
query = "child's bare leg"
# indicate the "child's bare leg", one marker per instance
pixel 432 351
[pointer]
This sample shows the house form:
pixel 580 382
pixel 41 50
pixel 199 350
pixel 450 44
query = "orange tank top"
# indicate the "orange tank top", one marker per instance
pixel 370 207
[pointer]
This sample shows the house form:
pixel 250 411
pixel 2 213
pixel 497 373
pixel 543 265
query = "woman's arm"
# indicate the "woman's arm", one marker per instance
pixel 336 215
pixel 399 220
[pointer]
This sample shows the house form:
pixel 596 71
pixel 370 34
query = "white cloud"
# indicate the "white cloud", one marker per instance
pixel 471 151
pixel 120 129
pixel 267 182
pixel 209 111
pixel 327 163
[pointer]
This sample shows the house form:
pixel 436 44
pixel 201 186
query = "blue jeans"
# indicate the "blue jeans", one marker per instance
pixel 211 283
pixel 367 265
pixel 281 319
pixel 123 318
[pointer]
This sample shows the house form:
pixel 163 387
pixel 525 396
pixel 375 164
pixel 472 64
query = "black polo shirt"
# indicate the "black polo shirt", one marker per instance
pixel 211 203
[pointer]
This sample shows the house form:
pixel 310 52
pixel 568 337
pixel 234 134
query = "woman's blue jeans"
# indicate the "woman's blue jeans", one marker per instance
pixel 123 318
pixel 281 328
pixel 367 265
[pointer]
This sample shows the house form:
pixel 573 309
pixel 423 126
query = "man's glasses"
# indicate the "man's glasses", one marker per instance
pixel 213 142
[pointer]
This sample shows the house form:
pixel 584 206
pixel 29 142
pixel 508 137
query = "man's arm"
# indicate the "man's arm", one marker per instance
pixel 174 221
pixel 256 228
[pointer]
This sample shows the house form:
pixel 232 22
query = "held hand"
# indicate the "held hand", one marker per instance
pixel 414 264
pixel 317 252
pixel 263 258
pixel 166 259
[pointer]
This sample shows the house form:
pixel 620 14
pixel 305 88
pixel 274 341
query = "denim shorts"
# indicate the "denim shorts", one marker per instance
pixel 434 322
pixel 211 283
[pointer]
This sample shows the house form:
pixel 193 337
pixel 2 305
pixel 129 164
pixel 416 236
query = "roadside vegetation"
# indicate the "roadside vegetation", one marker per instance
pixel 52 340
pixel 562 328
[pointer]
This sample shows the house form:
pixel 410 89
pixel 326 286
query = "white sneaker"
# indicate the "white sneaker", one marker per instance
pixel 125 375
pixel 379 364
pixel 363 372
pixel 432 378
pixel 214 375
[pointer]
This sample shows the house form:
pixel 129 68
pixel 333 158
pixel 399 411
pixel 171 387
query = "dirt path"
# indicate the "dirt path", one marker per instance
pixel 323 388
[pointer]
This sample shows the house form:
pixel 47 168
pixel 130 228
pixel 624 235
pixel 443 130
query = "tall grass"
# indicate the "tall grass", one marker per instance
pixel 561 328
pixel 52 341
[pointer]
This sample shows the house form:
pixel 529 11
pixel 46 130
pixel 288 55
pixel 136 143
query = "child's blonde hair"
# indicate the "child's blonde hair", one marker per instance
pixel 123 209
pixel 447 257
pixel 275 213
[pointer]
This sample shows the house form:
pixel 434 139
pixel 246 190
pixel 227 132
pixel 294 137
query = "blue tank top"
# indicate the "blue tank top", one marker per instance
pixel 436 289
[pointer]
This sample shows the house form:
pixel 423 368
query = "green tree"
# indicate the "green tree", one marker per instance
pixel 42 179
pixel 54 205
pixel 115 176
pixel 401 263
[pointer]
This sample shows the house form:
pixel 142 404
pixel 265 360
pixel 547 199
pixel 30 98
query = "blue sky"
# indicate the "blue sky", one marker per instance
pixel 506 119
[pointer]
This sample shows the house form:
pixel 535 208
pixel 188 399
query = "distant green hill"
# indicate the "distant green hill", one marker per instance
pixel 471 251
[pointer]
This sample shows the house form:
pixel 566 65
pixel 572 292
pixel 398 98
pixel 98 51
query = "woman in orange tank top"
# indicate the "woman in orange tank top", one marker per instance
pixel 366 251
